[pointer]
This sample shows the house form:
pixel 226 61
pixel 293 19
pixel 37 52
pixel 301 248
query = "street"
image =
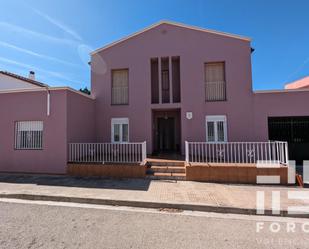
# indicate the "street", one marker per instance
pixel 30 224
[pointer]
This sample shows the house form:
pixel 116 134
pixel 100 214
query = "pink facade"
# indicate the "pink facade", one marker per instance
pixel 75 117
pixel 70 120
pixel 194 49
pixel 299 84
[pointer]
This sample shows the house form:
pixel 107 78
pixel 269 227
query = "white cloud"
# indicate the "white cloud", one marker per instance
pixel 33 34
pixel 59 25
pixel 29 52
pixel 31 67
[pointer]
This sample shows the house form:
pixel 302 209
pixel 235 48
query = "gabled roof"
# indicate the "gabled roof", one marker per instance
pixel 16 76
pixel 298 84
pixel 174 24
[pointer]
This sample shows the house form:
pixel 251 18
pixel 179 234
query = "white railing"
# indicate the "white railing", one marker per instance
pixel 272 152
pixel 215 91
pixel 107 152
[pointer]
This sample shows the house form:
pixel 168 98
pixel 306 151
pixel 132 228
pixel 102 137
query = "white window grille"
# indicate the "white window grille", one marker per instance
pixel 29 135
pixel 216 128
pixel 215 85
pixel 120 130
pixel 120 83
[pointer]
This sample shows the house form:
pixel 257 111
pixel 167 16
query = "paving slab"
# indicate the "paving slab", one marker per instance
pixel 148 193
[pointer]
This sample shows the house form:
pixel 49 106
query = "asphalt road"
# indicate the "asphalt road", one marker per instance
pixel 28 225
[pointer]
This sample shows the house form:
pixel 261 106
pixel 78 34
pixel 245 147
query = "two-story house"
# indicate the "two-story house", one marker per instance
pixel 170 83
pixel 165 85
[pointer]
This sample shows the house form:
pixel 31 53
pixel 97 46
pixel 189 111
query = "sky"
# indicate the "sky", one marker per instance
pixel 54 37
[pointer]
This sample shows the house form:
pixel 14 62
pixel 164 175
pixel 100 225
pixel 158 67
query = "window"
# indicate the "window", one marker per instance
pixel 29 135
pixel 120 82
pixel 154 71
pixel 120 130
pixel 176 78
pixel 216 129
pixel 165 80
pixel 215 85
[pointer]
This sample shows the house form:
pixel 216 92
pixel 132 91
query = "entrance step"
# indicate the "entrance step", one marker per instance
pixel 162 169
pixel 170 163
pixel 167 169
pixel 167 176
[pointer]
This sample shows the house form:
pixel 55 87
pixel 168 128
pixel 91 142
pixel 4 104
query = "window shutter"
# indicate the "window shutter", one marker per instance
pixel 215 85
pixel 120 86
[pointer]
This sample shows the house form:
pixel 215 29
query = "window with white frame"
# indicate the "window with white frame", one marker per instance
pixel 29 135
pixel 216 128
pixel 120 130
pixel 120 89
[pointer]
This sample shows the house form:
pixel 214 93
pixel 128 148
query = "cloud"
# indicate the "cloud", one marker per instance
pixel 31 67
pixel 29 52
pixel 34 34
pixel 301 66
pixel 59 25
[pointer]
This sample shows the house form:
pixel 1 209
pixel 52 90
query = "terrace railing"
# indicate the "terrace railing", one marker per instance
pixel 107 152
pixel 272 152
pixel 215 91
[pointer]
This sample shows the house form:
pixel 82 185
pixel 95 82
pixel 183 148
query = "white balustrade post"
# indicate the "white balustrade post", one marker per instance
pixel 144 151
pixel 286 153
pixel 187 151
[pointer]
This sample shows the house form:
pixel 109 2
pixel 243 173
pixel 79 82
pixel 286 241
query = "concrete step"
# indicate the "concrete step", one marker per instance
pixel 166 176
pixel 166 163
pixel 167 169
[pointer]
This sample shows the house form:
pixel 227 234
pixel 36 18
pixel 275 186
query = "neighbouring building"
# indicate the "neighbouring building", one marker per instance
pixel 299 84
pixel 10 81
pixel 165 85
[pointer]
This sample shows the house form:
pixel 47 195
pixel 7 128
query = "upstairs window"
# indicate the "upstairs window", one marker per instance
pixel 120 89
pixel 215 85
pixel 216 129
pixel 165 79
pixel 29 135
pixel 120 130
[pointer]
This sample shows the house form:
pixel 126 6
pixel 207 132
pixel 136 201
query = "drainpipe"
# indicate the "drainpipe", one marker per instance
pixel 48 100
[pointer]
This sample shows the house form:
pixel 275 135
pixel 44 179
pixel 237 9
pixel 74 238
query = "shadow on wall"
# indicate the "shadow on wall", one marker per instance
pixel 79 182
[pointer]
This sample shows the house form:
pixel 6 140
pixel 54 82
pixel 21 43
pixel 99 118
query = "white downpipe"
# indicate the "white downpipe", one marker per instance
pixel 48 101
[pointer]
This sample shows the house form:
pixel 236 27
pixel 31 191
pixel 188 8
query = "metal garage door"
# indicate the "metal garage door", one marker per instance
pixel 294 130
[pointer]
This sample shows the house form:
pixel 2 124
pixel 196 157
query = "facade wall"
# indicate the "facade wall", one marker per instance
pixel 32 106
pixel 194 48
pixel 277 104
pixel 80 119
pixel 71 119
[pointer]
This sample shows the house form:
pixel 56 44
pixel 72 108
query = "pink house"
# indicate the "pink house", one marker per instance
pixel 165 85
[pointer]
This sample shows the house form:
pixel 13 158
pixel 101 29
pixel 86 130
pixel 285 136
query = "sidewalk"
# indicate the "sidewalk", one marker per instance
pixel 224 198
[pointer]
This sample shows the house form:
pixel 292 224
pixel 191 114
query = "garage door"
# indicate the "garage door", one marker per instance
pixel 294 130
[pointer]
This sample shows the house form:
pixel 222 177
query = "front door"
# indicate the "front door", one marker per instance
pixel 166 134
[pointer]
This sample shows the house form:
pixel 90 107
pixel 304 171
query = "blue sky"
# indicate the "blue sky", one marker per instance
pixel 54 38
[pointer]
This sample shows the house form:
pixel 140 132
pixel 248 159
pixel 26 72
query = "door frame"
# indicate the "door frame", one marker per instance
pixel 161 113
